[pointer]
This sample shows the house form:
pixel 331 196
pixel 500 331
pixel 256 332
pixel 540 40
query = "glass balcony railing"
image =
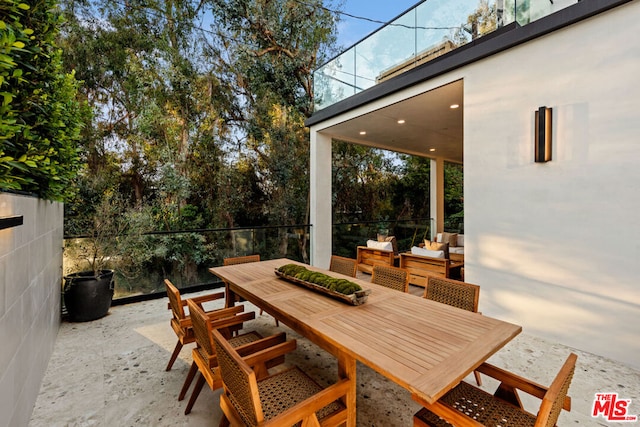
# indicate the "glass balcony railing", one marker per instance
pixel 431 29
pixel 142 261
pixel 348 236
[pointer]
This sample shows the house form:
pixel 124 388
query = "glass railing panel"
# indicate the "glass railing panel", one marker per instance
pixel 443 25
pixel 531 10
pixel 336 80
pixel 141 262
pixel 377 55
pixel 348 236
pixel 431 29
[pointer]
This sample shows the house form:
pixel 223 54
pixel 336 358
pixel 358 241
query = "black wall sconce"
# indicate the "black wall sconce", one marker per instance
pixel 10 221
pixel 543 135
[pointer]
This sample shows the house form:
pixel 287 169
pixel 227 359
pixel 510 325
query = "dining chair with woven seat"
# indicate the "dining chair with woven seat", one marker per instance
pixel 342 265
pixel 467 405
pixel 391 277
pixel 285 398
pixel 244 260
pixel 181 320
pixel 454 293
pixel 205 362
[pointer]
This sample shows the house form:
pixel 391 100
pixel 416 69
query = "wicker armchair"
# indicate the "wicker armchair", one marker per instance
pixel 282 399
pixel 454 293
pixel 205 361
pixel 181 321
pixel 466 405
pixel 342 265
pixel 391 277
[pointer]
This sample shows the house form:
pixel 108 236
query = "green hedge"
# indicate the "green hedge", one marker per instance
pixel 40 117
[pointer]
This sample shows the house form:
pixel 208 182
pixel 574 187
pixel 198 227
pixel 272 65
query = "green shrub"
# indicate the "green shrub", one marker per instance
pixel 40 118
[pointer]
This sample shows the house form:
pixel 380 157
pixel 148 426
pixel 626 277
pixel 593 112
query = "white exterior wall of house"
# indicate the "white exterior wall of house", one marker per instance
pixel 30 285
pixel 555 246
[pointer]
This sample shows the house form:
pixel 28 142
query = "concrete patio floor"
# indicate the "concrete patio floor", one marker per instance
pixel 110 372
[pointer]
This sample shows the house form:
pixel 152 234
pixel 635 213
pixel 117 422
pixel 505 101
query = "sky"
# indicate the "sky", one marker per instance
pixel 352 30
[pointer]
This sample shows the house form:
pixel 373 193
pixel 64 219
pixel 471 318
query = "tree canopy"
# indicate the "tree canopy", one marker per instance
pixel 194 119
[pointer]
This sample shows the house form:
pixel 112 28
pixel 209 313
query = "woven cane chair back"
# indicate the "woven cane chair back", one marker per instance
pixel 342 265
pixel 453 292
pixel 391 277
pixel 239 381
pixel 201 329
pixel 175 301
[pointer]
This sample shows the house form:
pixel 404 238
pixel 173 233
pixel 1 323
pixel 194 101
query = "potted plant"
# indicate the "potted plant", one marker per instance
pixel 88 292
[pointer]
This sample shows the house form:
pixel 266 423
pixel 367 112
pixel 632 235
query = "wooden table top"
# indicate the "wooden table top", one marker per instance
pixel 424 346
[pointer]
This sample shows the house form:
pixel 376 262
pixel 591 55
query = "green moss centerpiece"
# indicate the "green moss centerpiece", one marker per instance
pixel 342 289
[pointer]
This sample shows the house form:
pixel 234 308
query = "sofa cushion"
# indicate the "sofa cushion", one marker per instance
pixel 384 246
pixel 457 250
pixel 427 252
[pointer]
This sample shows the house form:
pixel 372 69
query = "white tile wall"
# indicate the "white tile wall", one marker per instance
pixel 30 280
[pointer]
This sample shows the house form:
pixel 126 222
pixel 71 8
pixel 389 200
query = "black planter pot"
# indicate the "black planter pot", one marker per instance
pixel 88 295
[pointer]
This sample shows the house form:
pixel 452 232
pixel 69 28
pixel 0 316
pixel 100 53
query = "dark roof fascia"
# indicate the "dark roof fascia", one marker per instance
pixel 499 41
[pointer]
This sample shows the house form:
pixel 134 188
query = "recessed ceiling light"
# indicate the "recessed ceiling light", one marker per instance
pixel 363 132
pixel 454 106
pixel 432 149
pixel 400 122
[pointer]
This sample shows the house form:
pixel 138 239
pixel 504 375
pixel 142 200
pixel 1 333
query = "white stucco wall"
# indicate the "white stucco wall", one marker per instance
pixel 556 246
pixel 30 284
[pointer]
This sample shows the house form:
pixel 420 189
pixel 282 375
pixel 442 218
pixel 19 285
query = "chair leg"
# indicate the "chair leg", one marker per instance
pixel 194 395
pixel 174 355
pixel 224 421
pixel 478 379
pixel 193 370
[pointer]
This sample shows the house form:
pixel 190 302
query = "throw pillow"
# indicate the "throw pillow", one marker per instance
pixel 435 246
pixel 450 238
pixel 394 243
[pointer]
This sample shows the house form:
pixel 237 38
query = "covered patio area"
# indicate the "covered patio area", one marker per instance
pixel 111 372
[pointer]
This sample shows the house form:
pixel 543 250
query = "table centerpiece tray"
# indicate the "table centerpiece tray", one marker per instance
pixel 356 298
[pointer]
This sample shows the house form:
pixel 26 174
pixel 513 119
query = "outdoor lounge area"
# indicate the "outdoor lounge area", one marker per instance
pixel 111 371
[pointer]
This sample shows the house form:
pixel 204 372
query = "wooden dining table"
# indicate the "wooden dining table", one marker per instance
pixel 424 346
